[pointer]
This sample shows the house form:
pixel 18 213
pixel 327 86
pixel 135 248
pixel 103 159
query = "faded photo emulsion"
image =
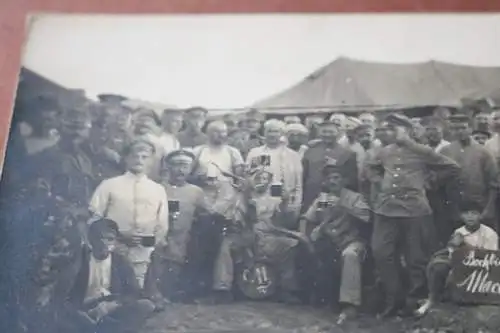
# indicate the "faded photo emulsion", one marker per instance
pixel 254 173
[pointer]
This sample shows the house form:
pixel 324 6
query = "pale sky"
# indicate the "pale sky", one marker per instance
pixel 230 61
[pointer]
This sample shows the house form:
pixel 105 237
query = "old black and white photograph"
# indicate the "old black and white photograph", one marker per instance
pixel 257 173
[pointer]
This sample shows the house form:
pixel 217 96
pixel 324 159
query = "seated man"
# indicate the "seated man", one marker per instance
pixel 261 228
pixel 333 218
pixel 105 293
pixel 474 235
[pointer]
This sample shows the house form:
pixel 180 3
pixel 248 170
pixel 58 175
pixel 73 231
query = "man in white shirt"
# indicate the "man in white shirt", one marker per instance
pixel 104 296
pixel 226 159
pixel 137 204
pixel 285 164
pixel 472 235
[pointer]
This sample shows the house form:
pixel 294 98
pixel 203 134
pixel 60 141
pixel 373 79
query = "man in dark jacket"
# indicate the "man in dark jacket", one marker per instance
pixel 105 296
pixel 317 156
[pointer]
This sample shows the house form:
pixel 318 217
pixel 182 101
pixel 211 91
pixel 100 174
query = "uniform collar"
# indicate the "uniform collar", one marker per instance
pixel 129 174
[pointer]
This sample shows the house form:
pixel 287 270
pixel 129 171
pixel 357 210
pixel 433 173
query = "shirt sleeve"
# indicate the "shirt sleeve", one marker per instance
pixel 356 205
pixel 491 242
pixel 237 158
pixel 310 215
pixel 163 222
pixel 296 198
pixel 100 200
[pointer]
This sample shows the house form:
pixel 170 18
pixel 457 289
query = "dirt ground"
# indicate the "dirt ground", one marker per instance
pixel 265 317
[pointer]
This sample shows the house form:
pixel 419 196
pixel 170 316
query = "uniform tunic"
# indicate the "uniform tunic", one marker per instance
pixel 314 161
pixel 139 206
pixel 191 201
pixel 479 173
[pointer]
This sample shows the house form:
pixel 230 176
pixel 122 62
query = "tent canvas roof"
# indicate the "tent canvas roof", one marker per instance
pixel 346 83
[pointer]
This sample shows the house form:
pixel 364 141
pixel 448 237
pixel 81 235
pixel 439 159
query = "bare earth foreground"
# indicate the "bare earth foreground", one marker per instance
pixel 278 318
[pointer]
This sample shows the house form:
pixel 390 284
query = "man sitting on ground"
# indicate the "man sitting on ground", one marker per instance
pixel 105 296
pixel 474 235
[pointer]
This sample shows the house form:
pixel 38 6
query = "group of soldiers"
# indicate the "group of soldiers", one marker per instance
pixel 267 206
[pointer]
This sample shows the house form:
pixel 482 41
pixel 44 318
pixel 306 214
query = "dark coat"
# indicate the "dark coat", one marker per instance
pixel 124 284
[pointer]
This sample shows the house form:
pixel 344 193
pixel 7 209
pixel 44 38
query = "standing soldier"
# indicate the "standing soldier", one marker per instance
pixel 137 204
pixel 402 212
pixel 67 167
pixel 192 134
pixel 112 134
pixel 478 182
pixel 253 123
pixel 319 153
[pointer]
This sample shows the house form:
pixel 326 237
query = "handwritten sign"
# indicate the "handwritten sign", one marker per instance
pixel 475 277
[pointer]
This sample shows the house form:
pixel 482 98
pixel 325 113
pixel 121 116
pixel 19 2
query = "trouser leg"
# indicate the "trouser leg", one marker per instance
pixel 127 318
pixel 224 267
pixel 288 278
pixel 171 280
pixel 384 244
pixel 416 252
pixel 350 281
pixel 437 273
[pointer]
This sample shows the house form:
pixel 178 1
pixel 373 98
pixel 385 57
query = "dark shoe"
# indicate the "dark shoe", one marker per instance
pixel 418 293
pixel 392 309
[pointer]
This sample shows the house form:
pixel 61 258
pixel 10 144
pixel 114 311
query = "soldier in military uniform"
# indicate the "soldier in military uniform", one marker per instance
pixel 112 135
pixel 67 167
pixel 327 148
pixel 192 134
pixel 253 123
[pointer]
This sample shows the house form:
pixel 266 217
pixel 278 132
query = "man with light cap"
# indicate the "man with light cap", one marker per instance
pixel 327 147
pixel 169 263
pixel 285 164
pixel 171 123
pixel 292 120
pixel 368 118
pixel 297 135
pixel 402 211
pixel 217 152
pixel 194 121
pixel 340 120
pixel 137 204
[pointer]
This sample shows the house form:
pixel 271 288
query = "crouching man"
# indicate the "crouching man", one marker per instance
pixel 264 237
pixel 333 218
pixel 105 296
pixel 473 235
